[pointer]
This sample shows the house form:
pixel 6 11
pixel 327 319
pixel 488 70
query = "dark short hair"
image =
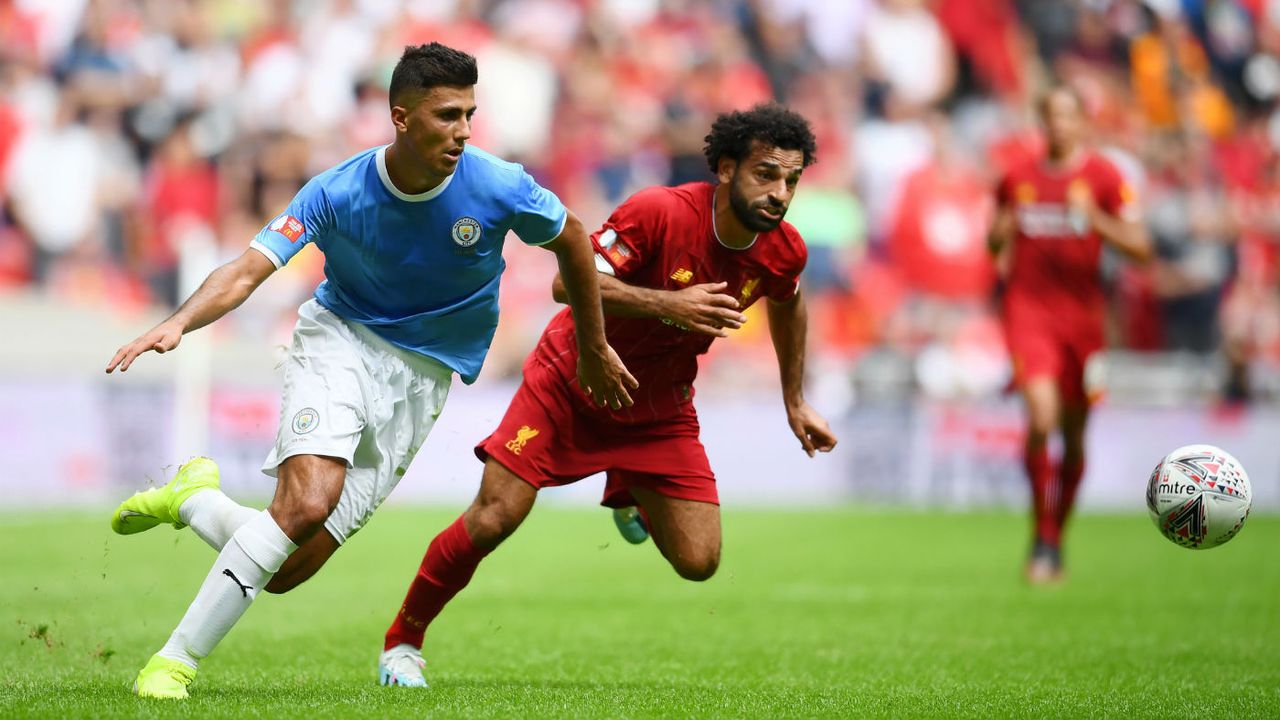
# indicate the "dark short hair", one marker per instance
pixel 769 123
pixel 423 67
pixel 1042 102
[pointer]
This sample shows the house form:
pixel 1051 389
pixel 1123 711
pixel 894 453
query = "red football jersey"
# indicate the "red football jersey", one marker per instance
pixel 1056 255
pixel 663 238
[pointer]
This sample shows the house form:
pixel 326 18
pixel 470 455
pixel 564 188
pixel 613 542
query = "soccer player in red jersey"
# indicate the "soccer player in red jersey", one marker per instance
pixel 677 268
pixel 1055 215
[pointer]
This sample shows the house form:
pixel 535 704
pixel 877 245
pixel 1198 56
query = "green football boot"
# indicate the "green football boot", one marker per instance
pixel 164 679
pixel 146 509
pixel 631 523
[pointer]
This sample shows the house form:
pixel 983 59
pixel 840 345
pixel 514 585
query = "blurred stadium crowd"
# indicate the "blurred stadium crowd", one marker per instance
pixel 132 130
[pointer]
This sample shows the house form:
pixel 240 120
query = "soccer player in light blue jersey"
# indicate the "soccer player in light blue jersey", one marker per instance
pixel 412 235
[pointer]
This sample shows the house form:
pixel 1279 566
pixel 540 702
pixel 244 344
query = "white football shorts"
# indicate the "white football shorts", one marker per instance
pixel 350 394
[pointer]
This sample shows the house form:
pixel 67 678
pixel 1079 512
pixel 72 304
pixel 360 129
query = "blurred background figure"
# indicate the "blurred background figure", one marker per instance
pixel 1055 215
pixel 139 137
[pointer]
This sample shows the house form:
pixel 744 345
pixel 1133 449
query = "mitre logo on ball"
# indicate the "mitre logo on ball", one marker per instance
pixel 1199 496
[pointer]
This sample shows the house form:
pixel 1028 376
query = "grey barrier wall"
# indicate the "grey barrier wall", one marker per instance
pixel 89 441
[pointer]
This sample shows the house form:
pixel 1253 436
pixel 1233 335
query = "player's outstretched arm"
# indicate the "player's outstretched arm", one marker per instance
pixel 788 327
pixel 219 294
pixel 703 308
pixel 601 372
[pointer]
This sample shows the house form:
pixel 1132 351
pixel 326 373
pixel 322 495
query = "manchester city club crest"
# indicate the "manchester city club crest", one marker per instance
pixel 466 232
pixel 305 421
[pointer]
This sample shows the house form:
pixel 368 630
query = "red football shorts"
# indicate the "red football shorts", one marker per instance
pixel 1056 348
pixel 550 437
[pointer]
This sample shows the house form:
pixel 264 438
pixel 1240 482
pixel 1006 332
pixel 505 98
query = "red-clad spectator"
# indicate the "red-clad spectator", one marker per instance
pixel 181 192
pixel 461 31
pixel 986 33
pixel 10 132
pixel 15 258
pixel 938 235
pixel 20 30
pixel 276 29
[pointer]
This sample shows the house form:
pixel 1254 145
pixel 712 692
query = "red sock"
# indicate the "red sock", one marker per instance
pixel 1070 473
pixel 447 567
pixel 1044 495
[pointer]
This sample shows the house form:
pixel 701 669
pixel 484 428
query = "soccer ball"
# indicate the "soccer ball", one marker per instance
pixel 1199 496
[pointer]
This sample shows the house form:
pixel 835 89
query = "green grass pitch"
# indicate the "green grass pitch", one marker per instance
pixel 813 614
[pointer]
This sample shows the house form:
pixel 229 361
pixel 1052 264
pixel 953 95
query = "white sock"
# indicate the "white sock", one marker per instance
pixel 255 553
pixel 214 516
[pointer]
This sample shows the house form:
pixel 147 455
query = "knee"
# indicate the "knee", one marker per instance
pixel 1073 444
pixel 1038 431
pixel 1072 453
pixel 697 567
pixel 489 522
pixel 313 511
pixel 304 516
pixel 1042 416
pixel 309 490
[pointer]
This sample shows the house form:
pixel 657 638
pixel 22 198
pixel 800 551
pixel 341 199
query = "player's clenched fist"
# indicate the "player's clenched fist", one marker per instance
pixel 162 338
pixel 705 308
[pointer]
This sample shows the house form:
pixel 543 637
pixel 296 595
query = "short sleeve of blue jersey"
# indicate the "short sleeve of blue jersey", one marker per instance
pixel 306 220
pixel 539 216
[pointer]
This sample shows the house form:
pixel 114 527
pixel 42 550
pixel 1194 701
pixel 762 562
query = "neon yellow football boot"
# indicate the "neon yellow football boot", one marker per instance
pixel 164 678
pixel 146 509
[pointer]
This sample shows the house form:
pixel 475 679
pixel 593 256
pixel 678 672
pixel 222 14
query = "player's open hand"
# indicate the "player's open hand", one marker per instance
pixel 705 308
pixel 162 338
pixel 606 379
pixel 811 429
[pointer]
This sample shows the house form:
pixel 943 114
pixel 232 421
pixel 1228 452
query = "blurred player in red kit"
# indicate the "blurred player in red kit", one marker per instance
pixel 677 268
pixel 1054 216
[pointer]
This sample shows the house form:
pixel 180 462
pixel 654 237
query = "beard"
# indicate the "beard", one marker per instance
pixel 747 212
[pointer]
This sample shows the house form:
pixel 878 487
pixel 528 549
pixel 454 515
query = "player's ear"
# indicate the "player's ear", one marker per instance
pixel 725 169
pixel 400 118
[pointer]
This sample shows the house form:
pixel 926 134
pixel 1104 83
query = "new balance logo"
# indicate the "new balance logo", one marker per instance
pixel 243 588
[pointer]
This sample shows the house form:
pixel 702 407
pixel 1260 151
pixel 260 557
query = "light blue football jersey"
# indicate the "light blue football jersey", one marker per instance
pixel 421 271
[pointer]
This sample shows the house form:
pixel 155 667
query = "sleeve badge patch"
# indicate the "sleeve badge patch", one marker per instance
pixel 1024 193
pixel 288 226
pixel 618 253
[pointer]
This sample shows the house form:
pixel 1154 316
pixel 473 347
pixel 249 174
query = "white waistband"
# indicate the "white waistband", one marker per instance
pixel 424 364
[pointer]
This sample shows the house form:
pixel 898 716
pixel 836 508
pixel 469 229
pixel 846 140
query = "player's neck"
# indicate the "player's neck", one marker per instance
pixel 407 178
pixel 1064 158
pixel 725 224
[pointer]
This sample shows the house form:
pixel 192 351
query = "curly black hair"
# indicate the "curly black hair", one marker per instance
pixel 769 123
pixel 423 67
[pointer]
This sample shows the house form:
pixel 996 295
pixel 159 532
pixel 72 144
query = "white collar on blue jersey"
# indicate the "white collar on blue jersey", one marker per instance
pixel 391 187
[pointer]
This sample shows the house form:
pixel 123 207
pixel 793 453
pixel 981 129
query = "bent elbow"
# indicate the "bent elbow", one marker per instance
pixel 1146 250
